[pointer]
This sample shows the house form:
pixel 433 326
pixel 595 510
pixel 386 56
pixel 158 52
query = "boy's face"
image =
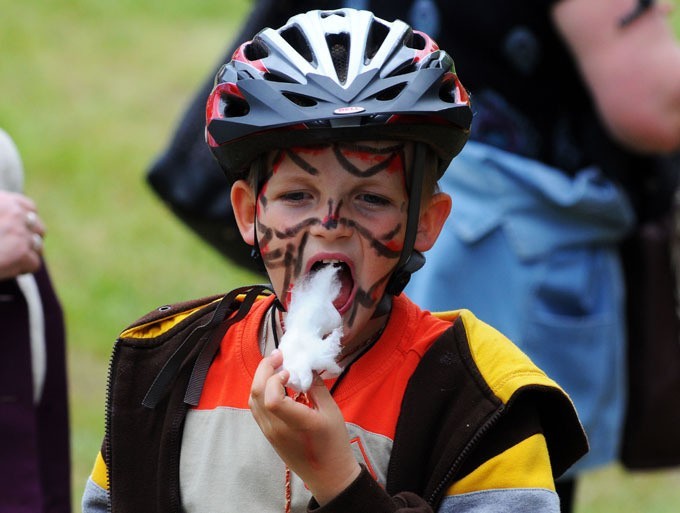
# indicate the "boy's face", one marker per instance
pixel 344 203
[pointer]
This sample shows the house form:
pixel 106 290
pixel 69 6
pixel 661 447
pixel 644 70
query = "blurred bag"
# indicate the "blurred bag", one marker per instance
pixel 191 183
pixel 651 260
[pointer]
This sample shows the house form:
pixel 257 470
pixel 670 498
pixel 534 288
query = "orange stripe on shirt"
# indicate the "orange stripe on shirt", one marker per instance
pixel 371 393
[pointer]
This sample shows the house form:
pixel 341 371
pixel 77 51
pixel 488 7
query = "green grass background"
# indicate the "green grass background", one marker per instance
pixel 91 91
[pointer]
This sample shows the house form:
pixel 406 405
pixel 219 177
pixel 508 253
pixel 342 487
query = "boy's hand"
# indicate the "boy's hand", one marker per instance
pixel 312 440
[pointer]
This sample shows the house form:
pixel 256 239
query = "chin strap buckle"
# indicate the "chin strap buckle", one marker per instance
pixel 402 276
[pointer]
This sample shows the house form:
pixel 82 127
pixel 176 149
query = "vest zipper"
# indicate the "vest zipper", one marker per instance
pixel 174 438
pixel 455 466
pixel 107 425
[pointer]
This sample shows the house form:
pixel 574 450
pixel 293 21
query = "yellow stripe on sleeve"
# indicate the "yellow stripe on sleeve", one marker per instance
pixel 99 473
pixel 502 364
pixel 525 465
pixel 155 328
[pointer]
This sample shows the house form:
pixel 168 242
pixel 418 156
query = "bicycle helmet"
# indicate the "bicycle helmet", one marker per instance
pixel 340 75
pixel 331 76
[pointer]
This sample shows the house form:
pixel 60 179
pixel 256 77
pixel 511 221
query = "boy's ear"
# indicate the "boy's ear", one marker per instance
pixel 244 204
pixel 432 218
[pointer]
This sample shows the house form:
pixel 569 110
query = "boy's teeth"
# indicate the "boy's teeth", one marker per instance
pixel 326 262
pixel 331 262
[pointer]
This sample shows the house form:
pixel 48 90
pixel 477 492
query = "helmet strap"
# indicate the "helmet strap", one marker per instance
pixel 410 260
pixel 260 170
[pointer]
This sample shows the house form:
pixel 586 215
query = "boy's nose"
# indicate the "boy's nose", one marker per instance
pixel 332 224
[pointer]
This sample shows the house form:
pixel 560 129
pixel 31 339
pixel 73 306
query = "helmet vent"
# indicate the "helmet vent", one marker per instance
pixel 376 37
pixel 233 106
pixel 414 40
pixel 275 77
pixel 403 69
pixel 339 48
pixel 295 38
pixel 326 14
pixel 300 99
pixel 447 92
pixel 390 93
pixel 256 50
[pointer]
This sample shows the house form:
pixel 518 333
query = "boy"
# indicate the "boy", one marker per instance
pixel 333 130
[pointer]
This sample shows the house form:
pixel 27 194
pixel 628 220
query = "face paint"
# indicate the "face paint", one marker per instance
pixel 390 159
pixel 331 220
pixel 302 163
pixel 343 203
pixel 367 298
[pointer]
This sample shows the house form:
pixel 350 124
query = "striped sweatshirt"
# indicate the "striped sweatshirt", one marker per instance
pixel 444 414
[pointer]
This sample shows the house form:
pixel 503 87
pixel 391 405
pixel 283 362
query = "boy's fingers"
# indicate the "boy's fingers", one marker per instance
pixel 275 392
pixel 320 395
pixel 276 358
pixel 265 370
pixel 267 367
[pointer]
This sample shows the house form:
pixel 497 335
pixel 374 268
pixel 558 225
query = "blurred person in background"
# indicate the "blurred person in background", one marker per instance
pixel 35 467
pixel 572 100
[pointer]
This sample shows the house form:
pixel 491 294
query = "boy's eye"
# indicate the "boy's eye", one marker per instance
pixel 373 199
pixel 295 196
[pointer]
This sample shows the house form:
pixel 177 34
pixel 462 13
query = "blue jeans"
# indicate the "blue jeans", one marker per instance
pixel 533 252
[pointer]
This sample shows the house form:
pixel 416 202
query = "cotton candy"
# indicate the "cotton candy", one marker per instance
pixel 311 341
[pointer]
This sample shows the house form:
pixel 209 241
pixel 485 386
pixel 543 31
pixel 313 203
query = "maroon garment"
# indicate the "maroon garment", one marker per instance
pixel 35 468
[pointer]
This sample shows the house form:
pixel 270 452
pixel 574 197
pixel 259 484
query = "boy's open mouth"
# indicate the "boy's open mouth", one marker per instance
pixel 344 274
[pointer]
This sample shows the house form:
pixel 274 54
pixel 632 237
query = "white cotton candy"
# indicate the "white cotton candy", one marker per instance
pixel 313 329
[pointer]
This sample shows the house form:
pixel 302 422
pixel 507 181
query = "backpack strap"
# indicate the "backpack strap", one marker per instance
pixel 207 354
pixel 200 335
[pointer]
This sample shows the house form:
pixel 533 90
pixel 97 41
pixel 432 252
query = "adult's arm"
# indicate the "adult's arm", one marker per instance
pixel 632 69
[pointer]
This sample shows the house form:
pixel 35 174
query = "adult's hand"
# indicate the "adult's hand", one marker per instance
pixel 21 235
